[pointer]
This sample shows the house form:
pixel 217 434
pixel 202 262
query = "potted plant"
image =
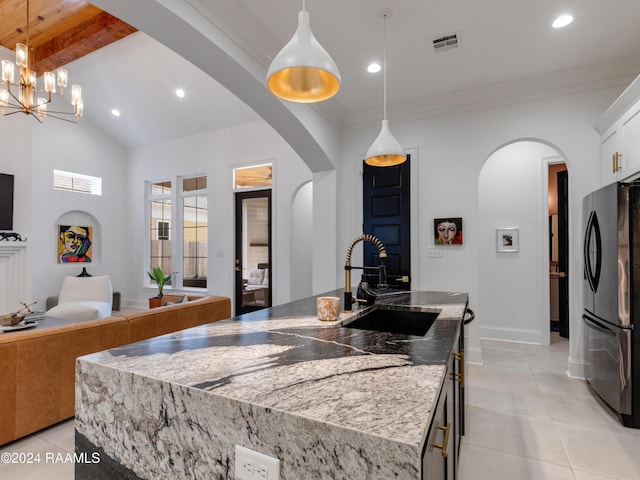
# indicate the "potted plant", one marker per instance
pixel 157 275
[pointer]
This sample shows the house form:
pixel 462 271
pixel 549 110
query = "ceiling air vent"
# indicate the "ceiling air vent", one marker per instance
pixel 446 42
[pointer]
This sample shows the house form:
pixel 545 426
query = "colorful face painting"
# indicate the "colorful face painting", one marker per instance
pixel 447 231
pixel 74 244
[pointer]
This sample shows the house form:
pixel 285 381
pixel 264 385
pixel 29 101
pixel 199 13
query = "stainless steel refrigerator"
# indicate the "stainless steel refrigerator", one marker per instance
pixel 611 313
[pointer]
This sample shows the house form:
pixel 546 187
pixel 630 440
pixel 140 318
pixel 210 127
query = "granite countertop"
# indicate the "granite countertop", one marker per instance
pixel 283 359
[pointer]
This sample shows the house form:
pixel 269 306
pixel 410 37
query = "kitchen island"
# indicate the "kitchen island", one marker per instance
pixel 329 401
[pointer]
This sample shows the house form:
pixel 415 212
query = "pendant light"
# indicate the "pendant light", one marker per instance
pixel 303 71
pixel 385 151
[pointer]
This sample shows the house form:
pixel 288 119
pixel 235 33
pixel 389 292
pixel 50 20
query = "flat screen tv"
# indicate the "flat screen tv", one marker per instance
pixel 6 202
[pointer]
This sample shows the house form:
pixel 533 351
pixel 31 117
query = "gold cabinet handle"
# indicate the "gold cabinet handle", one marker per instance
pixel 616 162
pixel 444 446
pixel 459 377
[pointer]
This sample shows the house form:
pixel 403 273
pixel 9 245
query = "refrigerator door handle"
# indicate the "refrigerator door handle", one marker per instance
pixel 593 277
pixel 598 326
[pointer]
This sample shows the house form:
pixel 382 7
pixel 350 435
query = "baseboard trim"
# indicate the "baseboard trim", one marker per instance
pixel 519 335
pixel 577 369
pixel 473 355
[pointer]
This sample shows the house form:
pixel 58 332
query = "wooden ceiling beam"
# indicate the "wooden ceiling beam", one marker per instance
pixel 79 40
pixel 47 18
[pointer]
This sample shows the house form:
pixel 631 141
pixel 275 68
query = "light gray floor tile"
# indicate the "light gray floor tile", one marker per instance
pixel 601 452
pixel 479 463
pixel 35 459
pixel 525 436
pixel 61 435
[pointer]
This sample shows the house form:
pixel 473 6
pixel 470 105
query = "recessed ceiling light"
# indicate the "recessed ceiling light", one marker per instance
pixel 374 68
pixel 115 112
pixel 180 93
pixel 562 21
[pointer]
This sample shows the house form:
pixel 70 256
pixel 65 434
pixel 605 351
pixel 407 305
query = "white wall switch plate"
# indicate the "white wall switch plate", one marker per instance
pixel 252 465
pixel 434 253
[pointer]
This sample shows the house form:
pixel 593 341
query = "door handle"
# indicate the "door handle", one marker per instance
pixel 596 325
pixel 561 274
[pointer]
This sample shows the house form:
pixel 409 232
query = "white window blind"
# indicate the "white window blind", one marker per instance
pixel 77 182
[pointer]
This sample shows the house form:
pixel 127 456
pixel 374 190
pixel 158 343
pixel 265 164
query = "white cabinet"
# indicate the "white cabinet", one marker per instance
pixel 630 128
pixel 619 129
pixel 610 161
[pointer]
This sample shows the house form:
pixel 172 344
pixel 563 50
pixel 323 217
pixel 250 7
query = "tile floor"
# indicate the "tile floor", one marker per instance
pixel 526 421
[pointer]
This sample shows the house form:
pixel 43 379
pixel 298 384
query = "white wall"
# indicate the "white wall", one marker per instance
pixel 451 150
pixel 15 159
pixel 31 151
pixel 80 148
pixel 301 239
pixel 514 297
pixel 215 154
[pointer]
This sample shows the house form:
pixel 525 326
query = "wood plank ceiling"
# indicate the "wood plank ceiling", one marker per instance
pixel 60 31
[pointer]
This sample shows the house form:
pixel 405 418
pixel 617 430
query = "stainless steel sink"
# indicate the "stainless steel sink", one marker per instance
pixel 407 322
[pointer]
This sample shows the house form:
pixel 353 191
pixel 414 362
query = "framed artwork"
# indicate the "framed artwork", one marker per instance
pixel 447 231
pixel 507 240
pixel 74 244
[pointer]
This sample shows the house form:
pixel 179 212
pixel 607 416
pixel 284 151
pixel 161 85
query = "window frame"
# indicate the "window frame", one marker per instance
pixel 176 230
pixel 181 194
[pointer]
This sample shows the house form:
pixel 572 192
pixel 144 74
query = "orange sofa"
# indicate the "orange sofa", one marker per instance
pixel 37 366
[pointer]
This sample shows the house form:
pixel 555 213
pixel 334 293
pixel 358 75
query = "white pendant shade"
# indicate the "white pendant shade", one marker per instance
pixel 385 151
pixel 303 71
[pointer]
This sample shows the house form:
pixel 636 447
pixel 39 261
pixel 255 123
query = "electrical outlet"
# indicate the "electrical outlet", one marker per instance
pixel 262 472
pixel 252 465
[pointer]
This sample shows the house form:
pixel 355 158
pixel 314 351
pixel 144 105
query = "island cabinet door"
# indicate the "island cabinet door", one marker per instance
pixel 440 456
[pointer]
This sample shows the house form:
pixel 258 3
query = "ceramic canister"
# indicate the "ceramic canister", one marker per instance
pixel 328 308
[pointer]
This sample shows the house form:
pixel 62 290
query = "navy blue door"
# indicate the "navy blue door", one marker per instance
pixel 386 215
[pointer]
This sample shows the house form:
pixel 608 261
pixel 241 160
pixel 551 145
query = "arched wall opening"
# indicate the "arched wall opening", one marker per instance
pixel 513 194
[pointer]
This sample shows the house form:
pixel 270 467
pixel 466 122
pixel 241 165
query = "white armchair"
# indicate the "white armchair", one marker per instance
pixel 258 284
pixel 84 298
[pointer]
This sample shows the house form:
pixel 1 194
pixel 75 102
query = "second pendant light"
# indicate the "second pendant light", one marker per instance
pixel 385 151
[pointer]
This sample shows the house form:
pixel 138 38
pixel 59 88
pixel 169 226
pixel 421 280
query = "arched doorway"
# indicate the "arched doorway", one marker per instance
pixel 513 202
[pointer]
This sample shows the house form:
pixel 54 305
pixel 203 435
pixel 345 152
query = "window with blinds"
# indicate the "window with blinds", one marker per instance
pixel 77 182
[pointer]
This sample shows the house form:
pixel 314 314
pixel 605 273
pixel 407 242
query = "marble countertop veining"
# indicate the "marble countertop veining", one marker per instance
pixel 330 401
pixel 379 383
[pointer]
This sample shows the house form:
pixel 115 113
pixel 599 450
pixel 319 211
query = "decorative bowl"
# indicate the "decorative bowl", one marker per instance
pixel 11 319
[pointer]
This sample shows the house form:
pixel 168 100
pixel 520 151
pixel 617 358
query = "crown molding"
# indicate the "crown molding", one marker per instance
pixel 617 73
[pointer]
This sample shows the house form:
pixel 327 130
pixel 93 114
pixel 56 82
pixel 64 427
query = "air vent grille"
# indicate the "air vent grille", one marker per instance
pixel 446 42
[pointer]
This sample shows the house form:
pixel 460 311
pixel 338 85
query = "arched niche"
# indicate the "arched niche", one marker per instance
pixel 84 219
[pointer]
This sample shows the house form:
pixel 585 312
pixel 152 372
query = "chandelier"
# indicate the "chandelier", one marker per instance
pixel 21 96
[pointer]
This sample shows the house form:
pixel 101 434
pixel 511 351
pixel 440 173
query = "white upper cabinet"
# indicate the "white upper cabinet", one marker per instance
pixel 610 160
pixel 619 128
